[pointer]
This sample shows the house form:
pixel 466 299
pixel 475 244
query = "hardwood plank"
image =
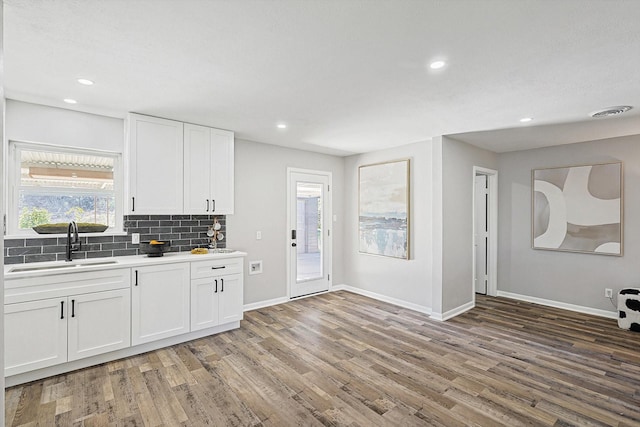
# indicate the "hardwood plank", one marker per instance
pixel 341 359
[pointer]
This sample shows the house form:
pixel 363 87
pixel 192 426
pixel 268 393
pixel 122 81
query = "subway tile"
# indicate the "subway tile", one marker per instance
pixel 13 260
pixel 14 243
pixel 58 249
pixel 160 230
pixel 179 217
pixel 125 252
pixel 159 217
pixel 130 224
pixel 169 223
pixel 112 246
pixel 189 223
pixel 180 229
pixel 148 223
pixel 39 258
pixel 41 242
pixel 126 238
pixel 75 255
pixel 100 239
pixel 99 254
pixel 136 217
pixel 32 250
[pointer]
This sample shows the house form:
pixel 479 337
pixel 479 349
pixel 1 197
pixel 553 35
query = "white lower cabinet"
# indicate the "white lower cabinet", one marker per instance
pixel 35 335
pixel 216 293
pixel 99 322
pixel 47 332
pixel 159 302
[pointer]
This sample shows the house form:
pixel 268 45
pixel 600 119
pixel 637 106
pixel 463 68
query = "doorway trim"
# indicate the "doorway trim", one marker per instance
pixel 492 283
pixel 328 220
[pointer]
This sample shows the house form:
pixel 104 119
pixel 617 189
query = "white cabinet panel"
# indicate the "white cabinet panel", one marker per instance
pixel 155 148
pixel 209 169
pixel 231 299
pixel 35 335
pixel 204 303
pixel 99 322
pixel 160 302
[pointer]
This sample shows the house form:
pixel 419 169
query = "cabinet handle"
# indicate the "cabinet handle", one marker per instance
pixel 73 308
pixel 133 204
pixel 61 309
pixel 219 267
pixel 216 291
pixel 222 281
pixel 207 205
pixel 213 202
pixel 136 282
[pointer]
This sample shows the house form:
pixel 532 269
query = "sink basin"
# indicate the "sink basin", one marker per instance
pixel 43 267
pixel 66 265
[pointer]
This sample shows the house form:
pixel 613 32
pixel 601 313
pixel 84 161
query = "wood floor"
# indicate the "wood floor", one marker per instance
pixel 341 359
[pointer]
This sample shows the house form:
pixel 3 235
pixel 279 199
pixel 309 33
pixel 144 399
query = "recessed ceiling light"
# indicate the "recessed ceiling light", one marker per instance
pixel 436 65
pixel 85 82
pixel 70 101
pixel 525 119
pixel 282 126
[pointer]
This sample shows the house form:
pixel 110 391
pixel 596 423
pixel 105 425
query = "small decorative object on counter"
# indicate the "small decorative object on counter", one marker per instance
pixel 214 233
pixel 154 248
pixel 199 251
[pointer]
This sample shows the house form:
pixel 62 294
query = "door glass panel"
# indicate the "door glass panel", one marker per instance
pixel 309 231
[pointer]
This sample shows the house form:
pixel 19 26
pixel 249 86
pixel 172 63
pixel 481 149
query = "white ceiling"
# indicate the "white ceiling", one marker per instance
pixel 346 76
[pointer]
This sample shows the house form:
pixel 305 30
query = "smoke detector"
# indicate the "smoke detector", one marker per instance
pixel 611 111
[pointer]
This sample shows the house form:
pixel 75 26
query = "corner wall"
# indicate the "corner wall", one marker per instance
pixel 569 278
pixel 458 159
pixel 261 205
pixel 407 282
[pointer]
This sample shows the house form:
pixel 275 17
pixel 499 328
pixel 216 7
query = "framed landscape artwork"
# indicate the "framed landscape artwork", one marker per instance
pixel 578 209
pixel 383 226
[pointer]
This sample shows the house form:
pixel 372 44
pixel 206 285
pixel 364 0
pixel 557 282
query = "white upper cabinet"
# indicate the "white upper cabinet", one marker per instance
pixel 179 168
pixel 208 170
pixel 155 148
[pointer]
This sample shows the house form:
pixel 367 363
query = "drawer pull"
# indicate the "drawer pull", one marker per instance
pixel 218 268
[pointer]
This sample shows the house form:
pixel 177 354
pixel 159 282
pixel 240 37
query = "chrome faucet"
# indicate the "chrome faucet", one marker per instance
pixel 72 245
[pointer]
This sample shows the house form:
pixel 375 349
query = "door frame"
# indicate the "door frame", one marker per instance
pixel 328 214
pixel 492 282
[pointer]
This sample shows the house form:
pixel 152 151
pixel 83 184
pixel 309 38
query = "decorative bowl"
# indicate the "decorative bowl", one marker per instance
pixel 155 248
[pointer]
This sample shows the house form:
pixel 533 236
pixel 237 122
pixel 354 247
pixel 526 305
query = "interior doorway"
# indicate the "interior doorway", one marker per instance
pixel 485 231
pixel 309 233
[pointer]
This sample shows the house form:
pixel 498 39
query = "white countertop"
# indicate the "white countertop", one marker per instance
pixel 95 264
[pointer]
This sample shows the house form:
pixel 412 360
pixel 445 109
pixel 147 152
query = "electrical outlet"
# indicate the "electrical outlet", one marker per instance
pixel 135 238
pixel 258 235
pixel 608 293
pixel 255 267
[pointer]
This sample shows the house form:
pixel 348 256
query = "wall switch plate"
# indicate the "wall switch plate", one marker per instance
pixel 255 267
pixel 135 238
pixel 608 293
pixel 258 235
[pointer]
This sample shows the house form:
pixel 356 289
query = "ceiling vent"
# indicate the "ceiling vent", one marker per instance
pixel 611 111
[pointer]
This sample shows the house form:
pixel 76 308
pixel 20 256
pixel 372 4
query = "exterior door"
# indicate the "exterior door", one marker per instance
pixel 481 238
pixel 309 239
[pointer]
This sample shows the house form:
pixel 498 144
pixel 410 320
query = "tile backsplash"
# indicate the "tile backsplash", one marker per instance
pixel 184 231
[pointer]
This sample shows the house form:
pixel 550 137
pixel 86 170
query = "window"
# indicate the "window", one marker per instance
pixel 52 184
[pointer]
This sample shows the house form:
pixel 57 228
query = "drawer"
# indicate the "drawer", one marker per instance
pixel 61 285
pixel 217 267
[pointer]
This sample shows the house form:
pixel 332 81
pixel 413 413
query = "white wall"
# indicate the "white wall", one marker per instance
pixel 458 160
pixel 572 278
pixel 38 123
pixel 2 211
pixel 407 281
pixel 261 205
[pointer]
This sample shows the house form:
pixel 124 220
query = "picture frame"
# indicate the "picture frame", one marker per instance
pixel 384 209
pixel 578 209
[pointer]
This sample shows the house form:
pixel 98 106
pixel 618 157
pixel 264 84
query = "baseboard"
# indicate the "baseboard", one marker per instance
pixel 266 303
pixel 558 304
pixel 383 298
pixel 441 317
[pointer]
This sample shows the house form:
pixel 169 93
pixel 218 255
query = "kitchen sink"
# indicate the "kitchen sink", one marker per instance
pixel 66 265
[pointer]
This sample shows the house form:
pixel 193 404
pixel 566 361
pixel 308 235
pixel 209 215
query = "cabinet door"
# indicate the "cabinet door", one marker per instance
pixel 99 322
pixel 35 335
pixel 222 182
pixel 204 303
pixel 197 169
pixel 231 299
pixel 159 302
pixel 155 149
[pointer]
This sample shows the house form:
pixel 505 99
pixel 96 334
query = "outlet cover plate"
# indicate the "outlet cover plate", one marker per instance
pixel 255 267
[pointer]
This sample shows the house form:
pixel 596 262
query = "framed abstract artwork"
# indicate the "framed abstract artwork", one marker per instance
pixel 578 209
pixel 383 222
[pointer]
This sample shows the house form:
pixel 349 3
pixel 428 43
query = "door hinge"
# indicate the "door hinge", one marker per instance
pixel 4 224
pixel 329 277
pixel 328 188
pixel 328 233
